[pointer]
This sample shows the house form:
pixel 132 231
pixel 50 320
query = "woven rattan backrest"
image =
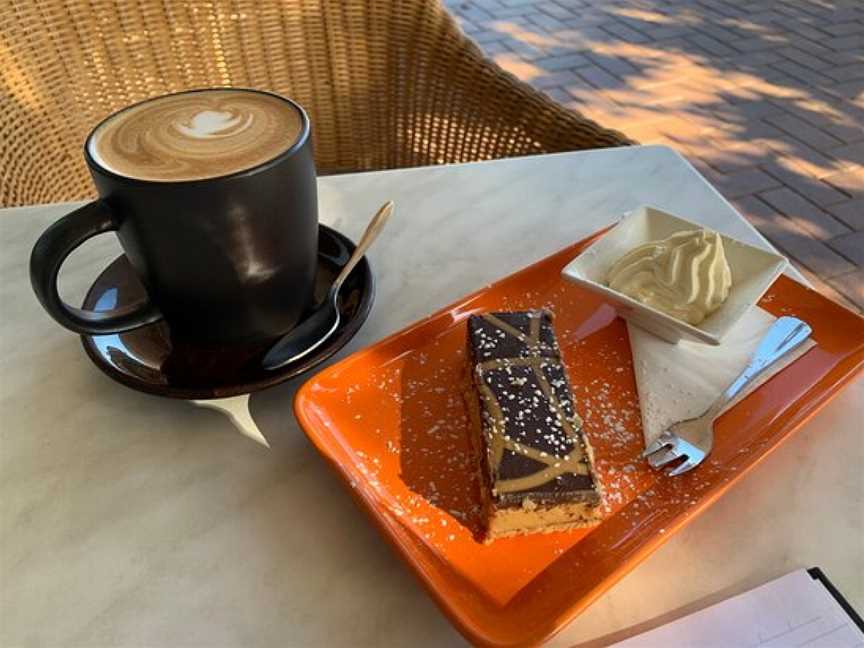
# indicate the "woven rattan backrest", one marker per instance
pixel 387 83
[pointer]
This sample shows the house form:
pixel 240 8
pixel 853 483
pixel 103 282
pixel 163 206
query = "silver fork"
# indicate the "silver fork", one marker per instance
pixel 692 439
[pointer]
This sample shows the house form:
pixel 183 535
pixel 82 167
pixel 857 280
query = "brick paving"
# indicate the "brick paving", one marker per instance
pixel 765 98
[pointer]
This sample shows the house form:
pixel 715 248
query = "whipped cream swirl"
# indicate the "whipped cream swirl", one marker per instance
pixel 685 276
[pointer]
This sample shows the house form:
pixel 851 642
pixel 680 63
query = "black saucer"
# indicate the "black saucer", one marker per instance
pixel 149 359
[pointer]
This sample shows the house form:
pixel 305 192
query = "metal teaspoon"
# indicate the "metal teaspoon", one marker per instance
pixel 320 325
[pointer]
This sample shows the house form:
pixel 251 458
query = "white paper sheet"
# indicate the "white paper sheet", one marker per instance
pixel 680 381
pixel 794 610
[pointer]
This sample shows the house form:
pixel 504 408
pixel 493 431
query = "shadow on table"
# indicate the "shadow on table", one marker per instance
pixel 436 458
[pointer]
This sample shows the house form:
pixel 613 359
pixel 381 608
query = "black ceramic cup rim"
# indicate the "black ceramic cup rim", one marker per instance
pixel 301 140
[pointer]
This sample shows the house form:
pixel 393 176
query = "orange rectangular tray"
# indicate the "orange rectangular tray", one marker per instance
pixel 391 420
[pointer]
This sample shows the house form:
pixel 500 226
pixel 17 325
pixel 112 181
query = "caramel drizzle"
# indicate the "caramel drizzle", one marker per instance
pixel 556 466
pixel 512 330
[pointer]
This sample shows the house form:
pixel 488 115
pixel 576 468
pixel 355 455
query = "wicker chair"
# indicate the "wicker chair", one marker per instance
pixel 387 83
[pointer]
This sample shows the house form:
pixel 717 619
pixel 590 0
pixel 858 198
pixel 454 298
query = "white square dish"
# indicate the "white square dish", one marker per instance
pixel 753 271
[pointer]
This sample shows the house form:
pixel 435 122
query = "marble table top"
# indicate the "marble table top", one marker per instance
pixel 130 520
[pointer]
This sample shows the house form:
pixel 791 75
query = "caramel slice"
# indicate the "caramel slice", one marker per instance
pixel 535 463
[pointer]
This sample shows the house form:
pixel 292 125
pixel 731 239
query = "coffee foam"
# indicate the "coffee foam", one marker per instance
pixel 196 135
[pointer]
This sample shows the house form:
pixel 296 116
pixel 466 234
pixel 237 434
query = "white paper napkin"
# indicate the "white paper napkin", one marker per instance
pixel 680 381
pixel 236 408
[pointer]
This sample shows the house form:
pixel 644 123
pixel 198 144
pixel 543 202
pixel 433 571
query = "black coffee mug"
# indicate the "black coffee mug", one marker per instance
pixel 225 259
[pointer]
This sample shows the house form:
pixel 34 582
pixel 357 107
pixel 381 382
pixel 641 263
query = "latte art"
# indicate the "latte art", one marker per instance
pixel 210 123
pixel 196 135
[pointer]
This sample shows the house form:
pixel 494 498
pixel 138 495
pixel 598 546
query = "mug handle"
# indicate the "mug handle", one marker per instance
pixel 49 253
